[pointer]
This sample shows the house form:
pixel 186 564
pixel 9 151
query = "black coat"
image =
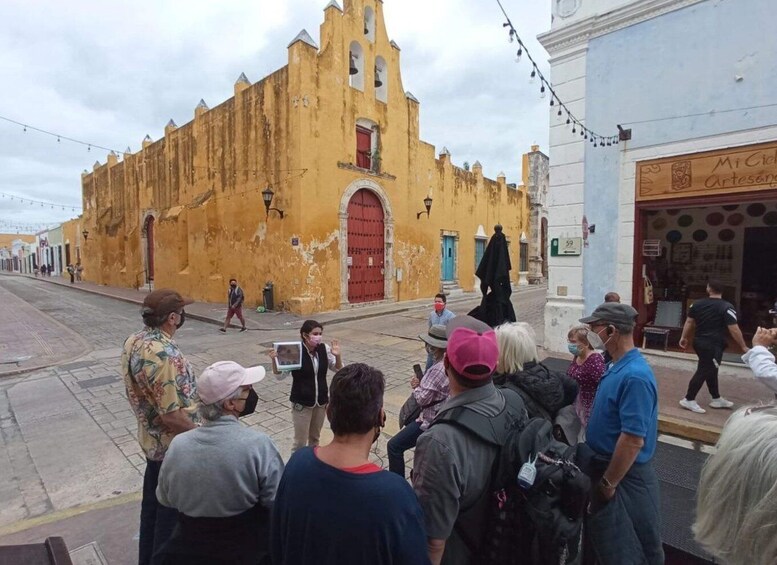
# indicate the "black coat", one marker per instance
pixel 542 389
pixel 305 382
pixel 494 274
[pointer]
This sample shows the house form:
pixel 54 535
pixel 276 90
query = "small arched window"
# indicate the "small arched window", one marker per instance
pixel 381 79
pixel 369 24
pixel 356 66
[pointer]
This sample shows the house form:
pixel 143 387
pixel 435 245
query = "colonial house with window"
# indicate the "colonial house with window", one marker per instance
pixel 314 178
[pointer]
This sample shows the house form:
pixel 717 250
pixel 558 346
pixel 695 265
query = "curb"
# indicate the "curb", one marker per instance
pixel 688 430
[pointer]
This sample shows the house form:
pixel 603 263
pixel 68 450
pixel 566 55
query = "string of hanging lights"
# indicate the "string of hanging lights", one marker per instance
pixel 42 204
pixel 596 139
pixel 30 227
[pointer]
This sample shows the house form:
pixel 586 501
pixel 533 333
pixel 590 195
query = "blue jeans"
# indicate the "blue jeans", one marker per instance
pixel 156 521
pixel 405 439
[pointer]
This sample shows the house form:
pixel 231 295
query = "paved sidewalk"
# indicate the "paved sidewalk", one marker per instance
pixel 30 339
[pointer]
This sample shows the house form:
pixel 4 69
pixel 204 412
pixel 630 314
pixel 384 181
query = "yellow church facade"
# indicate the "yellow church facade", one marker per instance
pixel 331 140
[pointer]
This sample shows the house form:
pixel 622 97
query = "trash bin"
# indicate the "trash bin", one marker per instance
pixel 267 296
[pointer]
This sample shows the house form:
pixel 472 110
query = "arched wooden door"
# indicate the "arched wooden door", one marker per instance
pixel 366 247
pixel 150 248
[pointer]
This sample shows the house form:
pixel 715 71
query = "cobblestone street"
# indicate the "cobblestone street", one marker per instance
pixel 68 434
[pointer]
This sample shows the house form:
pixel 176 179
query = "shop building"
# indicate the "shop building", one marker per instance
pixel 690 191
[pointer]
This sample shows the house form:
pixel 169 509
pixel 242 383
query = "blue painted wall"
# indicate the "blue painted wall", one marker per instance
pixel 678 64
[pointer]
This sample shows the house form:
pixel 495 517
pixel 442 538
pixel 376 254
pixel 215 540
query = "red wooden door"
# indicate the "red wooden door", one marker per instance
pixel 366 247
pixel 363 147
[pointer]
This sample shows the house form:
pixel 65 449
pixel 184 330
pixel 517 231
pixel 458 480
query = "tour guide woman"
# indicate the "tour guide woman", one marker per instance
pixel 309 389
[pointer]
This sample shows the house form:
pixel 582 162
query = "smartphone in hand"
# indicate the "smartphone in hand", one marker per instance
pixel 418 372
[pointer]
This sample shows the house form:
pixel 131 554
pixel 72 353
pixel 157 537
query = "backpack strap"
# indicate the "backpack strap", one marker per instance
pixel 490 429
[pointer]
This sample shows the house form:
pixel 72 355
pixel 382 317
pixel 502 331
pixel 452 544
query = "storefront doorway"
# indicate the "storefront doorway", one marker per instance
pixel 681 244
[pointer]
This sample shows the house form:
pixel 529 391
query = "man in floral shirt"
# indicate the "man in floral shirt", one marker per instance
pixel 163 394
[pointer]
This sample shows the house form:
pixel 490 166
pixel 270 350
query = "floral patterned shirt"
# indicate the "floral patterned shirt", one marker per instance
pixel 159 380
pixel 587 376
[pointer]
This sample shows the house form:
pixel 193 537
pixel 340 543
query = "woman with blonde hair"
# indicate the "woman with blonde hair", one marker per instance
pixel 543 390
pixel 736 513
pixel 586 369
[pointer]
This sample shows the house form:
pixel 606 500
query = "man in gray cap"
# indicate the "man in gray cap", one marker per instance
pixel 162 393
pixel 623 520
pixel 429 392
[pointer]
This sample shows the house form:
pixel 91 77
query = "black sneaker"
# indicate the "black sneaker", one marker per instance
pixel 243 329
pixel 222 330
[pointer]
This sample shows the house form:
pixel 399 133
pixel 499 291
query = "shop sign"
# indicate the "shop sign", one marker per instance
pixel 725 171
pixel 571 246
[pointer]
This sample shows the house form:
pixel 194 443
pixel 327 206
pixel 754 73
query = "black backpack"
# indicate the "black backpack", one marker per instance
pixel 539 525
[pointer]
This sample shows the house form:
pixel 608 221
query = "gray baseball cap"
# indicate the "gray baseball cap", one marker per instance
pixel 613 313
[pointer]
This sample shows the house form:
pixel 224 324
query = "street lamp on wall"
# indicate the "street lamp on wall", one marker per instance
pixel 267 196
pixel 85 233
pixel 427 205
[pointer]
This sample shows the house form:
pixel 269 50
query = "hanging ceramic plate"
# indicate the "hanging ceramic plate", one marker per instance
pixel 726 235
pixel 735 219
pixel 770 219
pixel 674 236
pixel 715 219
pixel 699 235
pixel 659 223
pixel 684 221
pixel 756 210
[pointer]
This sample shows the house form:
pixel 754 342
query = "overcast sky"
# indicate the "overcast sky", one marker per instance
pixel 109 73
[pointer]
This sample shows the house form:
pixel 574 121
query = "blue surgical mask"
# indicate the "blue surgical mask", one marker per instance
pixel 573 349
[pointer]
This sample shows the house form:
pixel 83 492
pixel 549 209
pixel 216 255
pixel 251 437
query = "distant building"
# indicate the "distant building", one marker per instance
pixel 689 193
pixel 333 139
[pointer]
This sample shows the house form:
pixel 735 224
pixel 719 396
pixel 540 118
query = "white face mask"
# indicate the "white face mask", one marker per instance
pixel 314 339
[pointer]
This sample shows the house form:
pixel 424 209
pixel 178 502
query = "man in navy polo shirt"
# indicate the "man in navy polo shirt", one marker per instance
pixel 623 520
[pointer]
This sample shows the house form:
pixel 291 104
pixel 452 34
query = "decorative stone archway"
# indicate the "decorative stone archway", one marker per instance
pixel 388 223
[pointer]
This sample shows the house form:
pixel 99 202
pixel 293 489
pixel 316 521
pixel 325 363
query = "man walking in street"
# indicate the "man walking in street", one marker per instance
pixel 623 516
pixel 713 319
pixel 453 467
pixel 235 298
pixel 163 394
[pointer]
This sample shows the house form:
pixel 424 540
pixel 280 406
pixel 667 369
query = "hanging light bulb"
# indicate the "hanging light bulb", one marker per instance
pixel 512 33
pixel 542 90
pixel 533 74
pixel 518 54
pixel 25 129
pixel 568 120
pixel 573 129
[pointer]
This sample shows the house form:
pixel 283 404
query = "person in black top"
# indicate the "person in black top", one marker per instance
pixel 713 319
pixel 309 389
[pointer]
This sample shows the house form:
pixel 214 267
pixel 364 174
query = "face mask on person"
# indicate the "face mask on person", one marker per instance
pixel 233 285
pixel 573 349
pixel 314 340
pixel 605 341
pixel 438 307
pixel 182 317
pixel 251 401
pixel 429 349
pixel 381 424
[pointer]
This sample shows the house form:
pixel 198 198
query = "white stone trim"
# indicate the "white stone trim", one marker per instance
pixel 579 33
pixel 388 238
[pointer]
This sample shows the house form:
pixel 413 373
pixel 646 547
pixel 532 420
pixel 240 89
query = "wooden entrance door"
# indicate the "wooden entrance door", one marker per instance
pixel 150 248
pixel 448 258
pixel 363 148
pixel 366 248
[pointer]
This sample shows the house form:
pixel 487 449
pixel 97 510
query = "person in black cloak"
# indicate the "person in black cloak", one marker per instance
pixel 494 274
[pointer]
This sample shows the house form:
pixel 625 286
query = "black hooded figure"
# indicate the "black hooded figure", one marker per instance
pixel 494 275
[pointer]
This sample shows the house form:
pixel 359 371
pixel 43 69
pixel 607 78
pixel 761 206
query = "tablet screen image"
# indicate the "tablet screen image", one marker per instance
pixel 288 355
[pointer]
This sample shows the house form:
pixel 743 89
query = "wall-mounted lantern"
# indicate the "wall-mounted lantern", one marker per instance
pixel 427 205
pixel 267 196
pixel 85 233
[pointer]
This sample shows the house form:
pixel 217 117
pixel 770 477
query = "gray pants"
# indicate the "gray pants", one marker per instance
pixel 627 531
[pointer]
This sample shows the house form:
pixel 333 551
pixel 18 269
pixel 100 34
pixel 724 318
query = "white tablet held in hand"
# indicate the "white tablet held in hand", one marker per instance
pixel 288 355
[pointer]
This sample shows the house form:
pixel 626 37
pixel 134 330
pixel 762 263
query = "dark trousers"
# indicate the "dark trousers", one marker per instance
pixel 405 439
pixel 156 521
pixel 710 354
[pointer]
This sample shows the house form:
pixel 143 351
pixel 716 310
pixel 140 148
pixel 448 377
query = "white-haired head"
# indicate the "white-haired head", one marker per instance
pixel 736 513
pixel 516 347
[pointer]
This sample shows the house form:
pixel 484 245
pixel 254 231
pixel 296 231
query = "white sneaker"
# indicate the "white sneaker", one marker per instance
pixel 721 403
pixel 692 405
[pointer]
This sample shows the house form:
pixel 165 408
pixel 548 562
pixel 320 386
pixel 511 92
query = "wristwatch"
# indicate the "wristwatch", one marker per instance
pixel 606 484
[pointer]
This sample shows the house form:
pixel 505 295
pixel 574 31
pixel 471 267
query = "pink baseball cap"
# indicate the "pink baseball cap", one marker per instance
pixel 472 348
pixel 222 379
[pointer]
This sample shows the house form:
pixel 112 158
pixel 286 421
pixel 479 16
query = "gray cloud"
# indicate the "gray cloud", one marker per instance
pixel 111 73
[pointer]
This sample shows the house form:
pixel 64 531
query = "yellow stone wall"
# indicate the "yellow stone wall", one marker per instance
pixel 295 130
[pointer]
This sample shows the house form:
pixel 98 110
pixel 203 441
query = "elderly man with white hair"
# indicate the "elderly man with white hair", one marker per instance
pixel 222 477
pixel 760 359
